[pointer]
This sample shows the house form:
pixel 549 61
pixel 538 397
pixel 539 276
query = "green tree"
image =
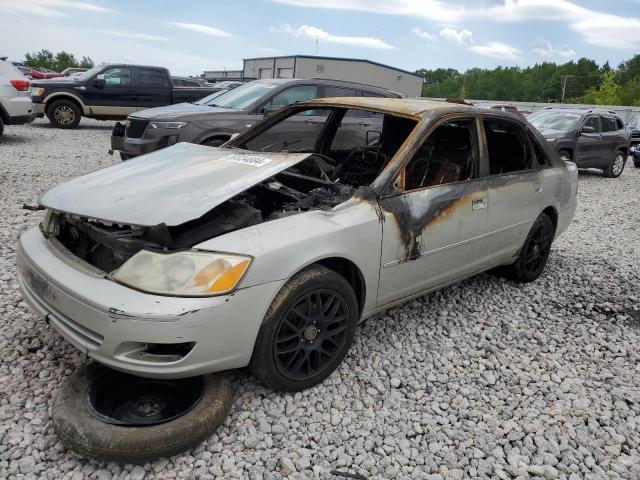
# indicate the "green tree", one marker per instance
pixel 43 58
pixel 57 62
pixel 64 60
pixel 86 62
pixel 609 91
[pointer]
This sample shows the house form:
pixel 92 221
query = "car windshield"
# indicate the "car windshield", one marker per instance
pixel 89 73
pixel 243 96
pixel 635 122
pixel 556 120
pixel 209 98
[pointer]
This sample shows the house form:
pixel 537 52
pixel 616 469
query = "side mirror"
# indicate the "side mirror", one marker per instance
pixel 270 109
pixel 587 129
pixel 373 138
pixel 99 82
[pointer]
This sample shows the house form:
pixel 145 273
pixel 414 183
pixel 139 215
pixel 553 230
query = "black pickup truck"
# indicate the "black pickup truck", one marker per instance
pixel 109 92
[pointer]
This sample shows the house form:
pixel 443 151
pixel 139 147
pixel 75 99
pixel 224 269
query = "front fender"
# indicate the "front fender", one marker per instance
pixel 283 247
pixel 64 94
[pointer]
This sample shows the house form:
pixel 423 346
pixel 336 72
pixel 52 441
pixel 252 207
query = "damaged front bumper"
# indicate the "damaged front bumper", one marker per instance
pixel 148 335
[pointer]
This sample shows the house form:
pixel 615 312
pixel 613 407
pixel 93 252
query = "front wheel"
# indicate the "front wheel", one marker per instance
pixel 64 114
pixel 215 142
pixel 307 330
pixel 615 168
pixel 534 253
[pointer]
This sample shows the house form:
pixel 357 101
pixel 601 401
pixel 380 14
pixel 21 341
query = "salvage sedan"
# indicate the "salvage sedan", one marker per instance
pixel 270 250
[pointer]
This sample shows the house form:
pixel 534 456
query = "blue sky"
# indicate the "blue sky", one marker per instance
pixel 189 36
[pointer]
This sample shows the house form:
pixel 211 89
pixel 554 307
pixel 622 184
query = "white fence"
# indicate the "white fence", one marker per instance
pixel 627 113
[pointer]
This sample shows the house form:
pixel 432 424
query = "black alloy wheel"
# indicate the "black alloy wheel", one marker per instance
pixel 537 249
pixel 311 334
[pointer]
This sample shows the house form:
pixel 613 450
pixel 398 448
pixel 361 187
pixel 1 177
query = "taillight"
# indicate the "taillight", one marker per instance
pixel 20 85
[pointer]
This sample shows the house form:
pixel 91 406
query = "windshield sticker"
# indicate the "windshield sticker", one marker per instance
pixel 255 160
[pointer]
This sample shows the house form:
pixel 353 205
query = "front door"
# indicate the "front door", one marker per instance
pixel 436 217
pixel 113 94
pixel 590 145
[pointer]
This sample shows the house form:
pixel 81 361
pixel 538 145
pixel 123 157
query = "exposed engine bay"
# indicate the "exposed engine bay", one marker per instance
pixel 314 184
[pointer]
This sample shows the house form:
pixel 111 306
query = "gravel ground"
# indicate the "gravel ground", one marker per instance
pixel 484 379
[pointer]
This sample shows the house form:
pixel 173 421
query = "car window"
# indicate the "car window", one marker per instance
pixel 151 78
pixel 564 121
pixel 619 124
pixel 356 133
pixel 330 91
pixel 296 133
pixel 448 155
pixel 116 76
pixel 244 95
pixel 593 122
pixel 292 95
pixel 538 152
pixel 506 146
pixel 608 124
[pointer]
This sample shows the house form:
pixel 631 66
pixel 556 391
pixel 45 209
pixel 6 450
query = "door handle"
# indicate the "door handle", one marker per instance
pixel 479 204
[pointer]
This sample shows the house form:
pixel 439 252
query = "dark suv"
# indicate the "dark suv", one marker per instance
pixel 590 138
pixel 214 119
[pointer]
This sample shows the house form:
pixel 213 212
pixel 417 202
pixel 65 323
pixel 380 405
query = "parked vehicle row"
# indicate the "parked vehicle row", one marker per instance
pixel 214 119
pixel 109 92
pixel 16 107
pixel 590 138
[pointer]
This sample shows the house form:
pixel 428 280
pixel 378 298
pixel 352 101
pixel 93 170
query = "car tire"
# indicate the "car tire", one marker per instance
pixel 565 155
pixel 124 157
pixel 307 330
pixel 534 253
pixel 83 431
pixel 616 167
pixel 215 142
pixel 64 114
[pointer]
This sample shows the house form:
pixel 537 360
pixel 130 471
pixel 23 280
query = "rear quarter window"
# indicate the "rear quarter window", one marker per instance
pixel 608 124
pixel 619 124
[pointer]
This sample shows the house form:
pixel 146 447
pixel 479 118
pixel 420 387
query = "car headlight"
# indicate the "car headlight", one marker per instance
pixel 551 140
pixel 168 125
pixel 183 274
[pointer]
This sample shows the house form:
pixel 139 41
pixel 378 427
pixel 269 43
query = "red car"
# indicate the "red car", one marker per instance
pixel 40 73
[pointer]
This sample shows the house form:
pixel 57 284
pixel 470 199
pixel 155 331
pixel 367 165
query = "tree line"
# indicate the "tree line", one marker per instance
pixel 582 81
pixel 56 62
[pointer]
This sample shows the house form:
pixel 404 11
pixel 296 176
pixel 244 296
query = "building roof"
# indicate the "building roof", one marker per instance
pixel 406 106
pixel 342 59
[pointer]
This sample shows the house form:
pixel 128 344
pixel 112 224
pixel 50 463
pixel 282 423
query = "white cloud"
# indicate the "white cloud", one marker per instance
pixel 423 35
pixel 595 26
pixel 134 36
pixel 48 8
pixel 267 50
pixel 498 50
pixel 195 27
pixel 461 37
pixel 545 49
pixel 319 34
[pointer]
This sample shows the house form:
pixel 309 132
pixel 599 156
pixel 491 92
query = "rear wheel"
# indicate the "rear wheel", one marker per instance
pixel 307 330
pixel 534 253
pixel 64 114
pixel 616 167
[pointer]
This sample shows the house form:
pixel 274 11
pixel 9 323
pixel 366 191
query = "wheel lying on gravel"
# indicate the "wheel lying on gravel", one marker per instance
pixel 101 413
pixel 615 168
pixel 307 330
pixel 534 253
pixel 64 114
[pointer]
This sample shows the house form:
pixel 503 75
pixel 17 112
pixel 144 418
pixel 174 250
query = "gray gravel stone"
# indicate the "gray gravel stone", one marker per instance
pixel 491 378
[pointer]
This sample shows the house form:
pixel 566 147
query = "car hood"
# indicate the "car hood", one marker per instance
pixel 179 110
pixel 170 186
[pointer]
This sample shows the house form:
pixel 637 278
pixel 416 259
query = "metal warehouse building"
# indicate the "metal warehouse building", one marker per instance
pixel 220 75
pixel 351 69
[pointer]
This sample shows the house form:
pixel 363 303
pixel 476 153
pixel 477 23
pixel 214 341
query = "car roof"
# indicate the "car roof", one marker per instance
pixel 327 81
pixel 581 111
pixel 405 106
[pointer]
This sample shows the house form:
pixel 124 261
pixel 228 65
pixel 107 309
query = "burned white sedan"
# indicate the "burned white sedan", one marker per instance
pixel 269 250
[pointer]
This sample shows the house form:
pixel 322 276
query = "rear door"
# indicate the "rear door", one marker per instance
pixel 153 88
pixel 589 145
pixel 517 185
pixel 116 96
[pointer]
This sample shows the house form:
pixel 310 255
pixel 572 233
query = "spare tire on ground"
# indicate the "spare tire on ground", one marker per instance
pixel 116 417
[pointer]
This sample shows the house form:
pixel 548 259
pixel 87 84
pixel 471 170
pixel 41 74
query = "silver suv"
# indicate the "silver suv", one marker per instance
pixel 15 96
